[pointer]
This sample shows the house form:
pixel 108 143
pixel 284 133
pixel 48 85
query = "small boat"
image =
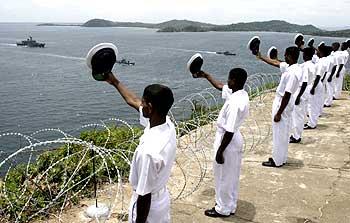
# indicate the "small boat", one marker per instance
pixel 125 62
pixel 226 53
pixel 30 43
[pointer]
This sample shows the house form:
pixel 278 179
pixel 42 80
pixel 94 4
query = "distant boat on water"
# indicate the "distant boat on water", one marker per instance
pixel 30 43
pixel 226 53
pixel 125 62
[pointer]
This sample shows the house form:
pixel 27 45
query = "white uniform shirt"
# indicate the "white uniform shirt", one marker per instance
pixel 234 111
pixel 315 59
pixel 283 67
pixel 226 92
pixel 332 62
pixel 309 72
pixel 344 56
pixel 290 80
pixel 338 57
pixel 322 67
pixel 154 157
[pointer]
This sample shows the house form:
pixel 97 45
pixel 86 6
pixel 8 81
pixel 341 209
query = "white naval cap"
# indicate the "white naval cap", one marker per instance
pixel 194 64
pixel 321 43
pixel 101 59
pixel 254 45
pixel 272 52
pixel 97 48
pixel 298 38
pixel 311 42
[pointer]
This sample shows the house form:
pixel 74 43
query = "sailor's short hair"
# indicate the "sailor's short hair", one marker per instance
pixel 239 75
pixel 294 52
pixel 160 96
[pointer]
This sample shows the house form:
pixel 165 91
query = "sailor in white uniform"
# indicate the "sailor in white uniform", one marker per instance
pixel 302 95
pixel 334 64
pixel 228 143
pixel 344 56
pixel 154 156
pixel 325 63
pixel 317 90
pixel 283 104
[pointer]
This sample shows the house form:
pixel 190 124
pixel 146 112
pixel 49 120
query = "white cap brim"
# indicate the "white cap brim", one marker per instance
pixel 269 51
pixel 308 42
pixel 192 59
pixel 251 40
pixel 297 35
pixel 322 42
pixel 97 48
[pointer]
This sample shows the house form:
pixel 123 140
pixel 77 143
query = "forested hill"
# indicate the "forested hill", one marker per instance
pixel 192 26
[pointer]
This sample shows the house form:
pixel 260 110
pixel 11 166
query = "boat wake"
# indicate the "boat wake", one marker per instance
pixel 61 56
pixel 49 55
pixel 187 50
pixel 7 44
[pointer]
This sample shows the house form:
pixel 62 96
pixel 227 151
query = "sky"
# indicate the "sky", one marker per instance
pixel 316 12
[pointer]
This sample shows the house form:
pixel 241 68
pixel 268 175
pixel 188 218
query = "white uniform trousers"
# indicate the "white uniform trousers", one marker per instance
pixel 339 83
pixel 313 107
pixel 321 99
pixel 298 117
pixel 329 92
pixel 226 175
pixel 159 211
pixel 281 130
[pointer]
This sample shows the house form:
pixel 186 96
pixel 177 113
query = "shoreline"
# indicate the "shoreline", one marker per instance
pixel 159 30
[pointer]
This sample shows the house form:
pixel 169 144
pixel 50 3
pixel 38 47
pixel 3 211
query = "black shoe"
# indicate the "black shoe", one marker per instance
pixel 294 140
pixel 217 204
pixel 334 98
pixel 214 214
pixel 327 106
pixel 308 127
pixel 270 163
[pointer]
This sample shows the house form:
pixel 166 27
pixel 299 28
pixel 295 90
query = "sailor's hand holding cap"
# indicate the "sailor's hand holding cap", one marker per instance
pixel 194 65
pixel 101 59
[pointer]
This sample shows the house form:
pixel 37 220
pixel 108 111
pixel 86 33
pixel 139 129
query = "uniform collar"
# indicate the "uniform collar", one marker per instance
pixel 294 66
pixel 161 127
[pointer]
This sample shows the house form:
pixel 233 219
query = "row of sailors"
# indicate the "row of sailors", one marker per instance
pixel 304 90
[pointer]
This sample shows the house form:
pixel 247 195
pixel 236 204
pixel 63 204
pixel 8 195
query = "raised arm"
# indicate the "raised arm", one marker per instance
pixel 217 84
pixel 130 97
pixel 275 63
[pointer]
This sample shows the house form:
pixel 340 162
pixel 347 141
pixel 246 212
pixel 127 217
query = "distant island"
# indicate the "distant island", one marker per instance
pixel 60 24
pixel 192 26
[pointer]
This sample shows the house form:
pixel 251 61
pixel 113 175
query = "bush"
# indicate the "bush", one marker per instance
pixel 46 180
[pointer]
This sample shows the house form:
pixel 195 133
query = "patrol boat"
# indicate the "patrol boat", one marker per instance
pixel 125 62
pixel 226 53
pixel 31 43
